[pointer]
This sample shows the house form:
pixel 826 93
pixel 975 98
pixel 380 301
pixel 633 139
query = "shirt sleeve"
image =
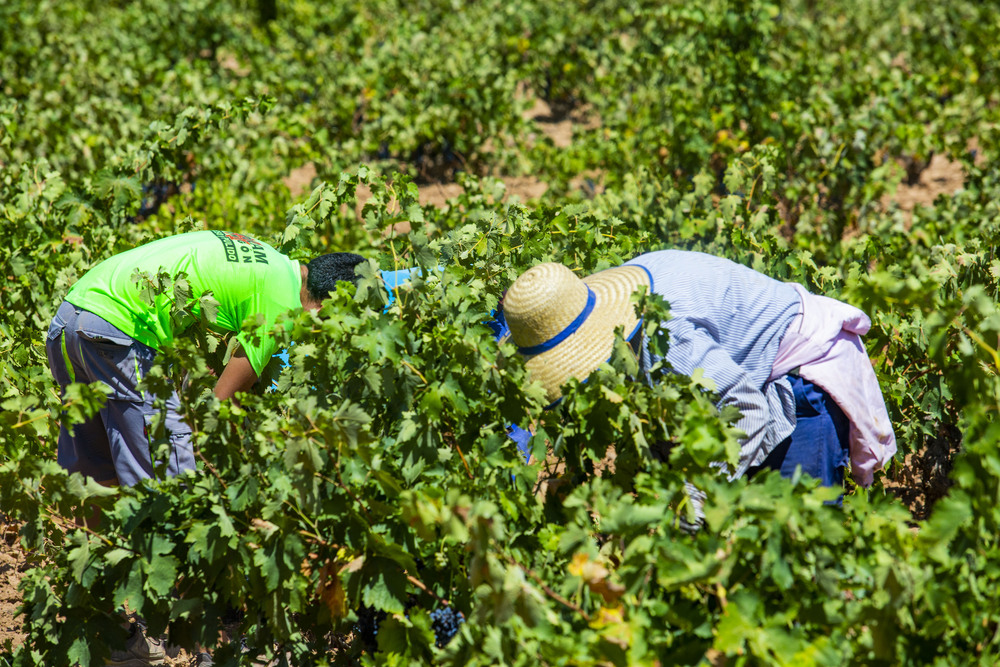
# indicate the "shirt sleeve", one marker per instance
pixel 692 347
pixel 259 353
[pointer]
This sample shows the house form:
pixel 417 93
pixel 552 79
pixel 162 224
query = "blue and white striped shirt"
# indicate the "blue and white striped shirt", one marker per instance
pixel 728 320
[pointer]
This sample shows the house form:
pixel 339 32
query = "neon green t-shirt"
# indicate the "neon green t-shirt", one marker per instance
pixel 246 277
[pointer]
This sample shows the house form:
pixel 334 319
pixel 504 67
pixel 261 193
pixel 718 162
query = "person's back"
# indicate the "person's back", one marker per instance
pixel 245 276
pixel 740 310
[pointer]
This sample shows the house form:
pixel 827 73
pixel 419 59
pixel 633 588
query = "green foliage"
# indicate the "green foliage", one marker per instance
pixel 375 468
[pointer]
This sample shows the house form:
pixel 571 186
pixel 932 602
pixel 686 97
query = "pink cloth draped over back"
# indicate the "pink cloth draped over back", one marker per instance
pixel 824 343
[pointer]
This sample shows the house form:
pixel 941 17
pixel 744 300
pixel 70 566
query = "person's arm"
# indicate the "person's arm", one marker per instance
pixel 238 375
pixel 692 347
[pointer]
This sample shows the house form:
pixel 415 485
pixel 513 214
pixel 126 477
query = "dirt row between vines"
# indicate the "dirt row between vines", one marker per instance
pixel 12 566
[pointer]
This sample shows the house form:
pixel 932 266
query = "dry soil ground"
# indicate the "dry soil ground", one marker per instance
pixel 11 566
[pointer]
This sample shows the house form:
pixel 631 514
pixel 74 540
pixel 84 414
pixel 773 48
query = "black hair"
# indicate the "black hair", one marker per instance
pixel 327 270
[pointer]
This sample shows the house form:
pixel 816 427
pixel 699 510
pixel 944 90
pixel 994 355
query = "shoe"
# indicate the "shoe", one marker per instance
pixel 141 650
pixel 202 660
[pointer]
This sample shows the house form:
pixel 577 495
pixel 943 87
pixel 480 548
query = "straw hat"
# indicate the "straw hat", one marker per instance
pixel 565 325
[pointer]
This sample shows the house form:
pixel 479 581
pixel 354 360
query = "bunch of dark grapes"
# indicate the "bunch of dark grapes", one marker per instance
pixel 445 622
pixel 154 195
pixel 366 628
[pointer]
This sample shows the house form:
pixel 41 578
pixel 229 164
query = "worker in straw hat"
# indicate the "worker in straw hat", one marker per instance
pixel 792 362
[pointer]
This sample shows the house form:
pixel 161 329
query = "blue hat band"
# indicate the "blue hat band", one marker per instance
pixel 565 333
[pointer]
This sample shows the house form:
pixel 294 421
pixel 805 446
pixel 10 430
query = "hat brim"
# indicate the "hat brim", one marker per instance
pixel 581 353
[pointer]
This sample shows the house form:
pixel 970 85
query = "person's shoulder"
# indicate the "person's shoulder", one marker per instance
pixel 667 256
pixel 239 248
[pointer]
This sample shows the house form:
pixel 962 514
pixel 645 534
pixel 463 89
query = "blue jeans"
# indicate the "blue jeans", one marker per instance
pixel 819 443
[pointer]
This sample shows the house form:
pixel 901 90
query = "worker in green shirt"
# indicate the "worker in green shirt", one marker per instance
pixel 110 327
